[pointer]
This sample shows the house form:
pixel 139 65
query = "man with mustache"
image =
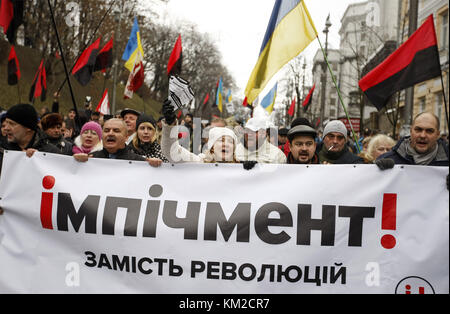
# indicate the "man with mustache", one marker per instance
pixel 302 141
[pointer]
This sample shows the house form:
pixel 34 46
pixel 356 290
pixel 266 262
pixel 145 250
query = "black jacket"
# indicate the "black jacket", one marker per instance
pixel 38 142
pixel 345 157
pixel 122 154
pixel 400 156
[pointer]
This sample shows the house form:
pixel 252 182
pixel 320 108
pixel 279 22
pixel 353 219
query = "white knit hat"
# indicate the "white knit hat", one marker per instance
pixel 335 126
pixel 217 133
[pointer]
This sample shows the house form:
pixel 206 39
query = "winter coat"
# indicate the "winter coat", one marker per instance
pixel 345 157
pixel 400 156
pixel 121 154
pixel 148 150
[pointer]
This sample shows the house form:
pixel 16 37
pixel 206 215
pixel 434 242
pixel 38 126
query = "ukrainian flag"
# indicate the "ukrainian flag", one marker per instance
pixel 134 45
pixel 269 101
pixel 290 31
pixel 219 97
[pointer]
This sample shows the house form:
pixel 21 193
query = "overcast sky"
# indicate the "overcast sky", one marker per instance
pixel 238 26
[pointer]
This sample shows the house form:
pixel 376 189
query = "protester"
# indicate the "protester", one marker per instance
pixel 3 139
pixel 159 127
pixel 90 139
pixel 255 146
pixel 221 145
pixel 52 127
pixel 283 139
pixel 145 143
pixel 22 132
pixel 334 149
pixel 378 145
pixel 130 117
pixel 302 139
pixel 423 146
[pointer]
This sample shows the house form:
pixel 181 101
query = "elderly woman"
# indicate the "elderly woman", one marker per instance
pixel 145 143
pixel 88 142
pixel 379 145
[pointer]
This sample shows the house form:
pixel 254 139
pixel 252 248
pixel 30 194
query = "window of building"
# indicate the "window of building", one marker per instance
pixel 438 105
pixel 422 104
pixel 444 30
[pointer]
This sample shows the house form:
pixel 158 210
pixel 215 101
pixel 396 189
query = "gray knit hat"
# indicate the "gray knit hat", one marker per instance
pixel 335 126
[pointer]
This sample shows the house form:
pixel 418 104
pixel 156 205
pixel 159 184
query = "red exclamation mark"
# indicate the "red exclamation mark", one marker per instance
pixel 47 203
pixel 389 220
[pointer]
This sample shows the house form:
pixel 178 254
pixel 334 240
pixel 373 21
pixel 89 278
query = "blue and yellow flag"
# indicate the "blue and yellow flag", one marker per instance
pixel 269 101
pixel 290 31
pixel 229 97
pixel 134 45
pixel 219 100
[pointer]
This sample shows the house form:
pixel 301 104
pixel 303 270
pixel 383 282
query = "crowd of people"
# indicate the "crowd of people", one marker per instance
pixel 131 135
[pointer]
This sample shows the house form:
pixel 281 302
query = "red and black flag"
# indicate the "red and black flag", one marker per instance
pixel 11 17
pixel 105 57
pixel 415 61
pixel 176 59
pixel 39 86
pixel 13 68
pixel 84 68
pixel 308 98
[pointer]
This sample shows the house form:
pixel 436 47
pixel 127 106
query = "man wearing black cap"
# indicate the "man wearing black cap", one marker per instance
pixel 130 117
pixel 302 139
pixel 22 132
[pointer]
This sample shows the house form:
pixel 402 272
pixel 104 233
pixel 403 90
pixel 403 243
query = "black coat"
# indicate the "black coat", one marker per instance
pixel 122 154
pixel 400 157
pixel 38 142
pixel 343 158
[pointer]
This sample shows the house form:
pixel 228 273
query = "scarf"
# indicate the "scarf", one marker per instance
pixel 420 159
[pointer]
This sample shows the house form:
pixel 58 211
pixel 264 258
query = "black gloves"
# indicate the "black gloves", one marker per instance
pixel 168 112
pixel 249 164
pixel 385 164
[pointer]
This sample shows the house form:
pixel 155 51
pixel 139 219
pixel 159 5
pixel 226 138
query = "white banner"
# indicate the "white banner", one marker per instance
pixel 109 226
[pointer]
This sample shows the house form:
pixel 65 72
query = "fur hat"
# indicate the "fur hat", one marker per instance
pixel 51 120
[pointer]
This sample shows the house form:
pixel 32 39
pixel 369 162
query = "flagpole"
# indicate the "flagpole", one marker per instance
pixel 445 100
pixel 77 118
pixel 340 95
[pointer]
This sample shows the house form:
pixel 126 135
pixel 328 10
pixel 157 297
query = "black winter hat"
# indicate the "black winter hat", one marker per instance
pixel 145 118
pixel 25 115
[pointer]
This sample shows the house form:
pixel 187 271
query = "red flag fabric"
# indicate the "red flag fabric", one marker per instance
pixel 415 61
pixel 105 57
pixel 13 68
pixel 245 103
pixel 291 111
pixel 136 78
pixel 176 59
pixel 103 106
pixel 39 86
pixel 84 68
pixel 308 99
pixel 11 17
pixel 206 99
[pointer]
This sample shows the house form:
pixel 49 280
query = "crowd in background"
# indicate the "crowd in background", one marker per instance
pixel 133 135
